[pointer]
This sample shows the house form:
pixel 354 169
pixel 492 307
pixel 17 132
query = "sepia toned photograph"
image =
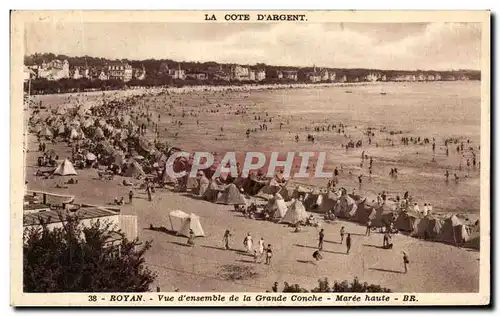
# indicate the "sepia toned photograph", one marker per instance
pixel 250 158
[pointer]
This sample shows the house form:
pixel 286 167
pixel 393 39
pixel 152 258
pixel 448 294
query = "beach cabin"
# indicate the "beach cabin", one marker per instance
pixel 88 215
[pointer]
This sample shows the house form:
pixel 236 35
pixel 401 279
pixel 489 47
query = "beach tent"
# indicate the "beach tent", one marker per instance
pixel 408 221
pixel 134 170
pixel 61 110
pixel 287 193
pixel 277 207
pixel 328 202
pixel 474 241
pixel 177 219
pixel 105 148
pixel 119 158
pixel 346 207
pixel 98 134
pixel 73 134
pixel 296 213
pixel 212 191
pixel 231 196
pixel 90 156
pixel 65 168
pixel 192 223
pixel 313 200
pixel 364 213
pixel 46 132
pixel 453 231
pixel 192 183
pixel 429 227
pixel 61 129
pixel 385 214
pixel 203 186
pixel 271 187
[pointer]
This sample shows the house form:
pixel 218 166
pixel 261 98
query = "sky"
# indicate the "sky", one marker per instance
pixel 401 46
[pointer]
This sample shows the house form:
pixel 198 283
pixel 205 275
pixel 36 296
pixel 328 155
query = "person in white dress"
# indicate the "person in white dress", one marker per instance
pixel 248 242
pixel 261 246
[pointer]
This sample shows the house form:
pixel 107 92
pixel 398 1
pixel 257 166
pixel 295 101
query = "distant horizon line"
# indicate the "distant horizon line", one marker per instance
pixel 241 64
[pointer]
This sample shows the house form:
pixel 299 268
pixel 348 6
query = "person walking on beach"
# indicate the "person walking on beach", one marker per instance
pixel 360 180
pixel 248 243
pixel 261 247
pixel 130 196
pixel 269 254
pixel 190 241
pixel 320 239
pixel 225 239
pixel 342 233
pixel 348 243
pixel 148 191
pixel 405 261
pixel 368 227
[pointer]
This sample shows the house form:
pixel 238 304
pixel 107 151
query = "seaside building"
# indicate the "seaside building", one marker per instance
pixel 384 78
pixel 333 76
pixel 240 73
pixel 372 77
pixel 219 73
pixel 251 74
pixel 140 74
pixel 437 76
pixel 178 74
pixel 260 75
pixel 103 75
pixel 28 73
pixel 120 71
pixel 421 77
pixel 79 73
pixel 291 75
pixel 343 79
pixel 87 214
pixel 431 78
pixel 54 70
pixel 197 75
pixel 313 76
pixel 324 74
pixel 463 78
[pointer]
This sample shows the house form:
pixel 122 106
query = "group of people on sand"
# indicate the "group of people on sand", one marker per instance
pixel 257 254
pixel 387 244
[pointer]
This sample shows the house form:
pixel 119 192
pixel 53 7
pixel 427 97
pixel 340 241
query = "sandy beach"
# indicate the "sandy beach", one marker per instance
pixel 434 267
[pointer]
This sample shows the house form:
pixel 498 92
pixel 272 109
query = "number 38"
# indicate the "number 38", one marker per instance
pixel 92 298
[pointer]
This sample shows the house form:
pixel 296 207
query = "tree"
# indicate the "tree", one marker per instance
pixel 75 258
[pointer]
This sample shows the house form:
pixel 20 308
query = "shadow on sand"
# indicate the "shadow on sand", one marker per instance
pixel 247 261
pixel 373 246
pixel 305 261
pixel 179 243
pixel 327 251
pixel 193 196
pixel 162 229
pixel 333 242
pixel 385 270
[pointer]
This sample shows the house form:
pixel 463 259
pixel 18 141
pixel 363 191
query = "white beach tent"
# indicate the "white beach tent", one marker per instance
pixel 65 168
pixel 280 208
pixel 192 222
pixel 296 213
pixel 177 219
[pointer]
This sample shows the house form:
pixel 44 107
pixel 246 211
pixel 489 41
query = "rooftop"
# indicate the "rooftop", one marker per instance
pixel 52 216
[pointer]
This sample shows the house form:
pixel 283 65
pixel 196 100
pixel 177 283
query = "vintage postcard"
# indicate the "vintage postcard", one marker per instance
pixel 250 158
